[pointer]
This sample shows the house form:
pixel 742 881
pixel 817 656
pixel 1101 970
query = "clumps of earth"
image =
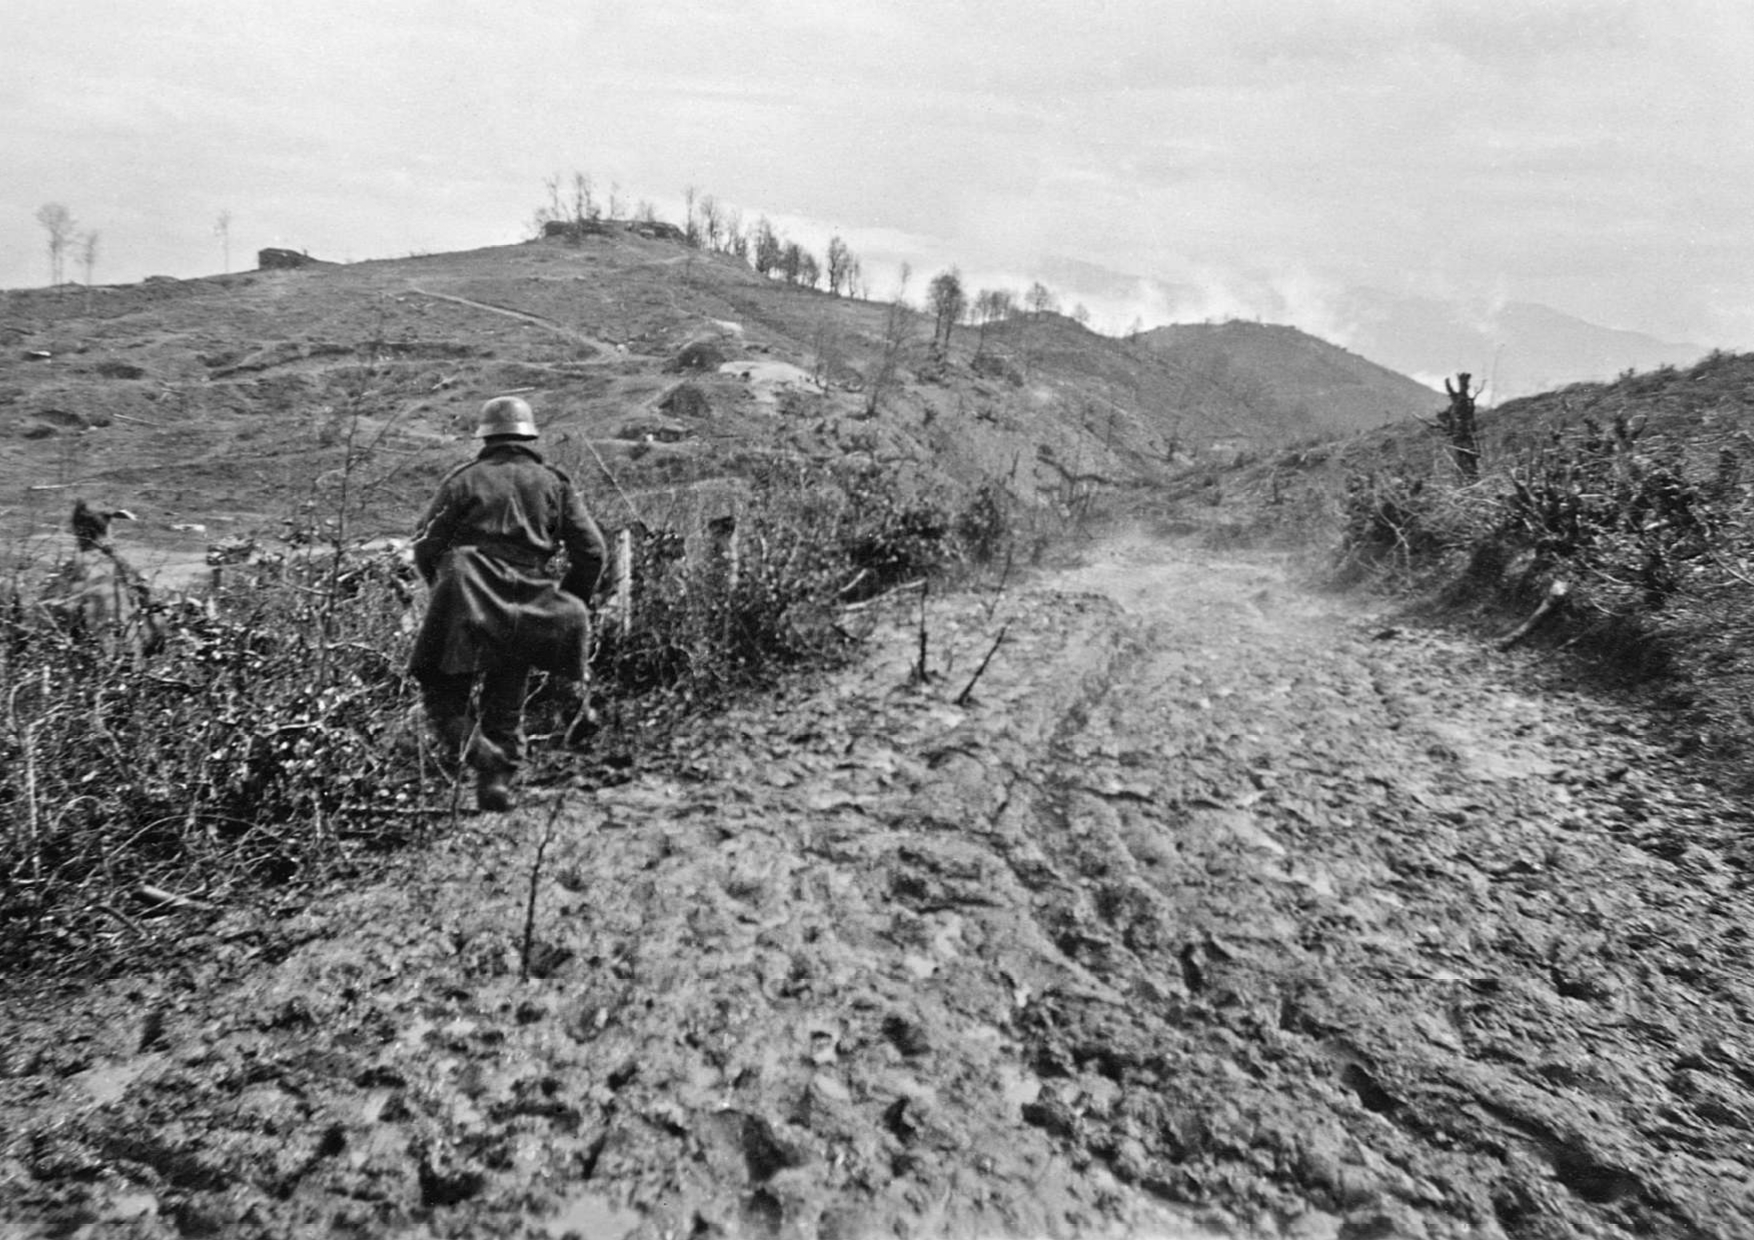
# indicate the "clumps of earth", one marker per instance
pixel 1209 906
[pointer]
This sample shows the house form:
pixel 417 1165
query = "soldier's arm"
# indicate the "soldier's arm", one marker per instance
pixel 584 545
pixel 432 537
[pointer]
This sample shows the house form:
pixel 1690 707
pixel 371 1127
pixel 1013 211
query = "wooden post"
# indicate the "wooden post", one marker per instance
pixel 724 549
pixel 623 608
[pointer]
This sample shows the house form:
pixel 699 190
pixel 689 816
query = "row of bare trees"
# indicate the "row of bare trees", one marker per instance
pixel 57 221
pixel 948 303
pixel 715 225
pixel 65 238
pixel 579 202
pixel 710 224
pixel 951 304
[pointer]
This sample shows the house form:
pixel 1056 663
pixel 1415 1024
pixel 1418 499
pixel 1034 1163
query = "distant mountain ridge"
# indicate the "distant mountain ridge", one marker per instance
pixel 1514 348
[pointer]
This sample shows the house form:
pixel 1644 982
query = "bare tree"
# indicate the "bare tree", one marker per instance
pixel 791 261
pixel 691 221
pixel 645 212
pixel 550 212
pixel 616 202
pixel 736 239
pixel 840 266
pixel 1041 301
pixel 809 271
pixel 977 319
pixel 898 337
pixel 584 199
pixel 769 250
pixel 88 260
pixel 556 209
pixel 828 349
pixel 222 230
pixel 1459 427
pixel 980 315
pixel 1081 315
pixel 947 300
pixel 88 253
pixel 712 223
pixel 991 305
pixel 58 220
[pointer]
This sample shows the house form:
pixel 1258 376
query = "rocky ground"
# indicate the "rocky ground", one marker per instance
pixel 1217 908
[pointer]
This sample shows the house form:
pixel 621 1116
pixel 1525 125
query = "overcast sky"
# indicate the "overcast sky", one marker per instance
pixel 1595 156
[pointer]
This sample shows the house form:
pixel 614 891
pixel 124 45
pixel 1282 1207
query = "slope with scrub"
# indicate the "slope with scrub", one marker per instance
pixel 230 403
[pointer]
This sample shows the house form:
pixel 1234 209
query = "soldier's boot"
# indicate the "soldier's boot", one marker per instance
pixel 493 776
pixel 445 699
pixel 450 736
pixel 493 792
pixel 584 722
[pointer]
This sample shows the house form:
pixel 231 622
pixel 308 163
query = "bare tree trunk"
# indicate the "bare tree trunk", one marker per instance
pixel 1459 426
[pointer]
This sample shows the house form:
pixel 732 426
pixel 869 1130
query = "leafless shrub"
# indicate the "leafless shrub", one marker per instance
pixel 276 737
pixel 1632 499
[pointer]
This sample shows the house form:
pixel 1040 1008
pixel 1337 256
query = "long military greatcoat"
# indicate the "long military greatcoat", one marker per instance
pixel 484 548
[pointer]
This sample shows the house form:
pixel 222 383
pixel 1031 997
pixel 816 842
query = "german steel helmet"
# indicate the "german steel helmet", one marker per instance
pixel 506 415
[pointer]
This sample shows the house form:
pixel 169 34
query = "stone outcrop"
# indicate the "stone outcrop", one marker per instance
pixel 574 230
pixel 276 259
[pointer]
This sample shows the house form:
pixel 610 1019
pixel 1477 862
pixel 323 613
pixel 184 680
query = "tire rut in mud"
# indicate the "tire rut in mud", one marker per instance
pixel 1348 983
pixel 1231 910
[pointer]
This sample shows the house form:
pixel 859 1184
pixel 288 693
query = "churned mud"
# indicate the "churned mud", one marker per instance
pixel 1218 908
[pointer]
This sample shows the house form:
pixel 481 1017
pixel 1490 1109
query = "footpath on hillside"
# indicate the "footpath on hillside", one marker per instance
pixel 1218 908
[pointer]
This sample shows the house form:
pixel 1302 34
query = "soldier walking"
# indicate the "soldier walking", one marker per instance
pixel 494 610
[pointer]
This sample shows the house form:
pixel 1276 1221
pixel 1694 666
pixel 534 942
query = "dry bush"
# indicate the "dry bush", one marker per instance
pixel 810 539
pixel 276 738
pixel 257 745
pixel 1633 496
pixel 1394 521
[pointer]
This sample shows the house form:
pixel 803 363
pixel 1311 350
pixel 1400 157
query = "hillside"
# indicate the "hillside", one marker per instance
pixel 1286 378
pixel 1630 497
pixel 225 406
pixel 1139 892
pixel 1697 419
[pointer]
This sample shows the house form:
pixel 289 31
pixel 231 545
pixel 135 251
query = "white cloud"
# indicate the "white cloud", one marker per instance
pixel 1588 152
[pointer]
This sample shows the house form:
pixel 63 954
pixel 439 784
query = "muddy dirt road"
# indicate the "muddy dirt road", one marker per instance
pixel 1220 908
